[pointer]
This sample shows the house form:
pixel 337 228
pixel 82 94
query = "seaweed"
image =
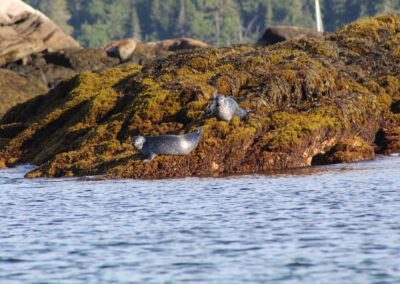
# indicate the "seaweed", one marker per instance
pixel 313 101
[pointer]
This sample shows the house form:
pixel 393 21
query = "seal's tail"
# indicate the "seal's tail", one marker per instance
pixel 199 131
pixel 206 112
pixel 243 113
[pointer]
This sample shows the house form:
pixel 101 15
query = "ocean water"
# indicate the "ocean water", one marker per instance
pixel 331 224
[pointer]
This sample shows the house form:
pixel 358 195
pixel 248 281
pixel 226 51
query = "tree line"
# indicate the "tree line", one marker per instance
pixel 217 22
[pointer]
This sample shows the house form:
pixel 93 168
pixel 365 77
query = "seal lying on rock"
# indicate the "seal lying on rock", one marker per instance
pixel 225 108
pixel 151 146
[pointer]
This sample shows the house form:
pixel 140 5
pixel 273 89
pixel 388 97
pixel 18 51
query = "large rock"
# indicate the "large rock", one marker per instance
pixel 24 31
pixel 35 49
pixel 312 101
pixel 177 44
pixel 121 49
pixel 281 33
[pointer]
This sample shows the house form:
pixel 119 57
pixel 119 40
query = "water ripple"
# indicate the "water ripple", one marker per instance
pixel 332 224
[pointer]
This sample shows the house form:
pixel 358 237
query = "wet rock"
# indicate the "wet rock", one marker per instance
pixel 281 33
pixel 388 139
pixel 346 151
pixel 330 97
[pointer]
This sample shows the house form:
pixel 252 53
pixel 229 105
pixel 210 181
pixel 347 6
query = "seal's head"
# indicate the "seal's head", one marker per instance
pixel 138 142
pixel 219 100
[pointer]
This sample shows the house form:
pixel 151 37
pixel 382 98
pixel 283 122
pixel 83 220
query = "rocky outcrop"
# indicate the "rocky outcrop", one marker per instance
pixel 281 33
pixel 312 101
pixel 346 151
pixel 34 49
pixel 43 71
pixel 25 31
pixel 25 35
pixel 48 68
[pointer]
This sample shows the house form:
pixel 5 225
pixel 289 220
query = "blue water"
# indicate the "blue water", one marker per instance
pixel 334 224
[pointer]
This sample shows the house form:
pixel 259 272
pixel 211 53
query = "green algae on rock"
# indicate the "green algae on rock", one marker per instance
pixel 327 100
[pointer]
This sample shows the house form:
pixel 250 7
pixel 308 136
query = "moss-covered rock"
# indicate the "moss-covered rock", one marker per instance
pixel 309 97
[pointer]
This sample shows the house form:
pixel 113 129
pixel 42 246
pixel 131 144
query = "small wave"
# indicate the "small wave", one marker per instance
pixel 227 251
pixel 299 262
pixel 194 264
pixel 11 260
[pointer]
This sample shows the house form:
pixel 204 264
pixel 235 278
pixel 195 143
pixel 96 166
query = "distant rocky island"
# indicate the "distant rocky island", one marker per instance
pixel 314 99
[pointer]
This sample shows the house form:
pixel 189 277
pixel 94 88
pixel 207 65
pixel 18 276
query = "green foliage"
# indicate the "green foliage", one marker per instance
pixel 55 10
pixel 218 22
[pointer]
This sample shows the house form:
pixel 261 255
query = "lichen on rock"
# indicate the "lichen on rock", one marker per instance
pixel 327 100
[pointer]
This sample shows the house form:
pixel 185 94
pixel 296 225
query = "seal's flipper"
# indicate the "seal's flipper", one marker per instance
pixel 242 113
pixel 150 157
pixel 206 113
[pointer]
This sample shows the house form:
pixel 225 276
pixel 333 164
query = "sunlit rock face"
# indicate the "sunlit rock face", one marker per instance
pixel 24 34
pixel 24 30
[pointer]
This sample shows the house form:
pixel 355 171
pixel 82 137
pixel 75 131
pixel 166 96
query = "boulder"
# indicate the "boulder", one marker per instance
pixel 121 49
pixel 24 31
pixel 281 33
pixel 328 99
pixel 177 44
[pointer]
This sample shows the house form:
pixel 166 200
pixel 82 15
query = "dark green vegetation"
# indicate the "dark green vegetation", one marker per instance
pixel 216 22
pixel 313 101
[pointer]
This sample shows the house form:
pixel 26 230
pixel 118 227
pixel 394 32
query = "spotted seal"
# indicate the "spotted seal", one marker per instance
pixel 151 146
pixel 225 108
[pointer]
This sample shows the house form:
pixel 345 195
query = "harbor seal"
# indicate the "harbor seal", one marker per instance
pixel 225 108
pixel 151 146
